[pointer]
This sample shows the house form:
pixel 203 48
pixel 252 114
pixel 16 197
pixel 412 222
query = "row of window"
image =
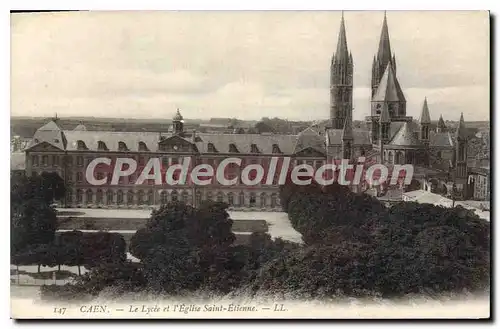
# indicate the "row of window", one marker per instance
pixel 55 160
pixel 142 197
pixel 142 147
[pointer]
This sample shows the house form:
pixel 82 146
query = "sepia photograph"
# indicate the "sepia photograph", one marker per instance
pixel 250 165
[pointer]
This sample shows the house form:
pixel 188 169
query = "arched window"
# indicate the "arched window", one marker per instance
pixel 90 196
pixel 211 147
pixel 80 145
pixel 143 147
pixel 174 196
pixel 99 196
pixel 220 197
pixel 119 197
pixel 163 197
pixel 241 200
pixel 198 198
pixel 79 196
pixel 253 199
pixel 209 196
pixel 150 197
pixel 69 196
pixel 140 197
pixel 230 198
pixel 101 146
pixel 274 200
pixel 109 197
pixel 391 157
pixel 130 197
pixel 122 146
pixel 263 200
pixel 185 197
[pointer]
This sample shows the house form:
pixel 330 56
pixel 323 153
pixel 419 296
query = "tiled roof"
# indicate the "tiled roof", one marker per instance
pixel 443 139
pixel 405 137
pixel 50 126
pixel 309 137
pixel 361 136
pixel 243 142
pixel 69 140
pixel 112 138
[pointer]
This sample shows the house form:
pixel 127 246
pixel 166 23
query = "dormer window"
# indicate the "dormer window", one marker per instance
pixel 276 148
pixel 233 148
pixel 211 148
pixel 254 149
pixel 101 146
pixel 122 146
pixel 80 145
pixel 143 146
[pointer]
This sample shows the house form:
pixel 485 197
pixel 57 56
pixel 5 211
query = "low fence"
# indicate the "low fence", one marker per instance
pixel 28 281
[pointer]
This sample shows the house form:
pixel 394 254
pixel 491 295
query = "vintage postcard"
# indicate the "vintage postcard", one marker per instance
pixel 307 164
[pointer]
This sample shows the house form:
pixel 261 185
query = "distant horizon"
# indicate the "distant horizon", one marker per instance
pixel 76 117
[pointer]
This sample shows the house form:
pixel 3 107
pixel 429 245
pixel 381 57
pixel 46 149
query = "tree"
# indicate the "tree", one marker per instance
pixel 263 127
pixel 32 222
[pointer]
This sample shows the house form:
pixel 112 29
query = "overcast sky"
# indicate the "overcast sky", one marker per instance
pixel 240 64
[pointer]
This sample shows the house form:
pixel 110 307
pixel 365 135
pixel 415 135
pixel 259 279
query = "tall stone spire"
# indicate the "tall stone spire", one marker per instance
pixel 461 132
pixel 382 57
pixel 425 117
pixel 341 82
pixel 384 44
pixel 342 53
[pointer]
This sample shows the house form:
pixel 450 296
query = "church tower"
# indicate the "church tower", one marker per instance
pixel 461 156
pixel 341 81
pixel 425 122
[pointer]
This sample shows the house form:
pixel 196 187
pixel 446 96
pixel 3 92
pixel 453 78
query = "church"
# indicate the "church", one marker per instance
pixel 391 136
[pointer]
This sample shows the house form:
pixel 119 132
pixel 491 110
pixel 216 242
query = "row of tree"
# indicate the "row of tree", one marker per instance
pixel 75 248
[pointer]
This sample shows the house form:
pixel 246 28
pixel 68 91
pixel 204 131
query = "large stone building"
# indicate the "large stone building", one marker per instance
pixel 393 137
pixel 69 153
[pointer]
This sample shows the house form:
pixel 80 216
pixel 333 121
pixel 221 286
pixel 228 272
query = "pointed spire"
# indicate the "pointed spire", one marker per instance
pixel 389 89
pixel 441 124
pixel 425 117
pixel 461 130
pixel 347 131
pixel 384 46
pixel 384 116
pixel 342 53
